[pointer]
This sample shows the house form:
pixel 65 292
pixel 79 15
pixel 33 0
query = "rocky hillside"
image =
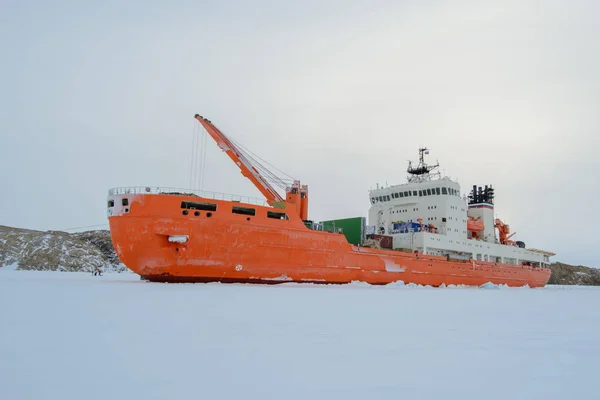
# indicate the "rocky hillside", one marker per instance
pixel 57 251
pixel 564 274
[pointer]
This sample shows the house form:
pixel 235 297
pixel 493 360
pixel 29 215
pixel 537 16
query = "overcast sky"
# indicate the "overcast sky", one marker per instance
pixel 338 94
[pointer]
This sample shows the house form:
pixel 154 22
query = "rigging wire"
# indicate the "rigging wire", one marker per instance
pixel 266 174
pixel 81 227
pixel 204 145
pixel 192 170
pixel 257 164
pixel 263 160
pixel 198 150
pixel 200 157
pixel 196 160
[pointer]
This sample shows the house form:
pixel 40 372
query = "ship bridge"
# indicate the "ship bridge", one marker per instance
pixel 428 214
pixel 427 200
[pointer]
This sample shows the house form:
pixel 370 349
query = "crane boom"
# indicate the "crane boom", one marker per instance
pixel 246 167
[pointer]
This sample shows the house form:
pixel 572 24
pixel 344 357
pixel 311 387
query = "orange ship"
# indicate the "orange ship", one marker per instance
pixel 182 236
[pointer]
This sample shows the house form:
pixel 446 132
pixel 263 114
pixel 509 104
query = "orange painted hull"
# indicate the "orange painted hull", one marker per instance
pixel 226 247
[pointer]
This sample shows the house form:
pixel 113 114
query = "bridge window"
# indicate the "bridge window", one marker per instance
pixel 401 194
pixel 444 190
pixel 192 205
pixel 243 210
pixel 125 202
pixel 420 193
pixel 277 215
pixel 437 191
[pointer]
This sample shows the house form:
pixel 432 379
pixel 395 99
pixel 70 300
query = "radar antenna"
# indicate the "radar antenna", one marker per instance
pixel 422 172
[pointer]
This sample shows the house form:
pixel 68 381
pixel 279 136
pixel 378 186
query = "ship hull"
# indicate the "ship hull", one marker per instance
pixel 156 240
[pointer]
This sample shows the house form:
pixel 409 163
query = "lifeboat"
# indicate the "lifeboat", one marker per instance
pixel 475 224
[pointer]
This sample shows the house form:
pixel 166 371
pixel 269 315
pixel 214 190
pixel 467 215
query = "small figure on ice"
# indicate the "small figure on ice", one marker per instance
pixel 97 271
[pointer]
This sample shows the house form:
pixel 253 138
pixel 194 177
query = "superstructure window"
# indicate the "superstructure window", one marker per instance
pixel 444 190
pixel 111 203
pixel 428 192
pixel 243 210
pixel 192 205
pixel 277 215
pixel 388 197
pixel 414 192
pixel 401 194
pixel 420 193
pixel 125 202
pixel 437 191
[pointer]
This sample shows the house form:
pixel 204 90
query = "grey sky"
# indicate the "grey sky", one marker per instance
pixel 338 94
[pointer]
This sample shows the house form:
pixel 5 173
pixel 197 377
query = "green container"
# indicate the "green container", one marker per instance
pixel 354 229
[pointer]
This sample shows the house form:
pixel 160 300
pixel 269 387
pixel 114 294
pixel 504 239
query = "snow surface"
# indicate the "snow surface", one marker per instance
pixel 11 267
pixel 68 335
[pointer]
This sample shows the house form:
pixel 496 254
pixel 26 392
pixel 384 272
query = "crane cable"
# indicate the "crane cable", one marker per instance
pixel 204 138
pixel 199 147
pixel 192 162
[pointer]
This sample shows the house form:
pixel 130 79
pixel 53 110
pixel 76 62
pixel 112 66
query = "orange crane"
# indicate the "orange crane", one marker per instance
pixel 503 232
pixel 296 194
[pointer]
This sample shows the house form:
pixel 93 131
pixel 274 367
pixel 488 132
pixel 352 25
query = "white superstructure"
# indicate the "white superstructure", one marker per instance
pixel 428 214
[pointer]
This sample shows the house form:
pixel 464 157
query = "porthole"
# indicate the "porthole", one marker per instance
pixel 184 212
pixel 209 214
pixel 197 213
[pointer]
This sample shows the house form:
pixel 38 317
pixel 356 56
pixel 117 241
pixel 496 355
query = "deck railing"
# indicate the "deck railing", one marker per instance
pixel 186 192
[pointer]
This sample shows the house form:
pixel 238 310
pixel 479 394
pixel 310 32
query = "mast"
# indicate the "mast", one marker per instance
pixel 421 172
pixel 296 195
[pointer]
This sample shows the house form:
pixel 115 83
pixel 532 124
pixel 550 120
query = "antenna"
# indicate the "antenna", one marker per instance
pixel 422 172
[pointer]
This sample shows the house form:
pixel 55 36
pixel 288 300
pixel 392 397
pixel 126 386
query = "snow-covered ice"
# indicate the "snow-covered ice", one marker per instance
pixel 77 336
